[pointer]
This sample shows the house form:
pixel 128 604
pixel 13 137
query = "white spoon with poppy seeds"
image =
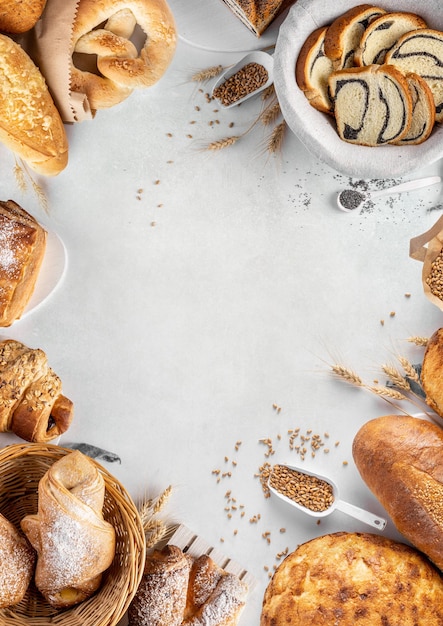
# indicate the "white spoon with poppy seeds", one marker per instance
pixel 351 199
pixel 315 494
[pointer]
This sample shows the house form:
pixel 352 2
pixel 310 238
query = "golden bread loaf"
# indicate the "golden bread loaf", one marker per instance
pixel 400 458
pixel 31 403
pixel 19 16
pixel 102 33
pixel 354 578
pixel 22 249
pixel 432 372
pixel 74 543
pixel 30 124
pixel 178 590
pixel 17 560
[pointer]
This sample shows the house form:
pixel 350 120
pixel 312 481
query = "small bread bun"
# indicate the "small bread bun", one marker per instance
pixel 30 124
pixel 432 372
pixel 17 560
pixel 19 16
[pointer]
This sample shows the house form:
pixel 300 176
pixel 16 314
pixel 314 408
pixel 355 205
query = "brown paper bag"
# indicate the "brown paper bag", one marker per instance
pixel 49 45
pixel 427 254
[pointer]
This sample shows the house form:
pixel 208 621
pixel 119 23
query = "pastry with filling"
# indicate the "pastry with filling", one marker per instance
pixel 421 52
pixel 372 105
pixel 74 543
pixel 423 112
pixel 17 560
pixel 381 35
pixel 343 35
pixel 313 69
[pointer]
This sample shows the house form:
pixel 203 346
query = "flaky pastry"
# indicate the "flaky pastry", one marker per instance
pixel 74 543
pixel 17 560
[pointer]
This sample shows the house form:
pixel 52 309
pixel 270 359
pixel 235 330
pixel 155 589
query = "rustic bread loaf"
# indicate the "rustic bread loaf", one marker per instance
pixel 344 33
pixel 372 105
pixel 432 372
pixel 354 578
pixel 381 35
pixel 257 15
pixel 421 52
pixel 19 16
pixel 400 458
pixel 30 124
pixel 313 69
pixel 423 112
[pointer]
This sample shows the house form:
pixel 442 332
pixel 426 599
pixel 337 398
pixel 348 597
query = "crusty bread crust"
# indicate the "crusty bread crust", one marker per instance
pixel 347 579
pixel 432 372
pixel 30 124
pixel 400 458
pixel 19 16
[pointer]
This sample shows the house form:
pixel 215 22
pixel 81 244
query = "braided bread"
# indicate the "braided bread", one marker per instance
pixel 31 403
pixel 121 67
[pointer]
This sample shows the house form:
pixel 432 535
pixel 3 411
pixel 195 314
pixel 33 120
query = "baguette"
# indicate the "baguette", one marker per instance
pixel 400 458
pixel 30 124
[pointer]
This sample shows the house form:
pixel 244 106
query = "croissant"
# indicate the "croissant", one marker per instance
pixel 31 403
pixel 74 543
pixel 178 590
pixel 17 560
pixel 161 596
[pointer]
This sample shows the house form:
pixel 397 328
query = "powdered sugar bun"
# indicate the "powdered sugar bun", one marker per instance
pixel 17 560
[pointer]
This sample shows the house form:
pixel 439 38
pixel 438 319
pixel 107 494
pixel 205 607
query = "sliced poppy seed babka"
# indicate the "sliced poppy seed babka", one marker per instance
pixel 423 111
pixel 421 52
pixel 343 35
pixel 382 34
pixel 372 105
pixel 313 69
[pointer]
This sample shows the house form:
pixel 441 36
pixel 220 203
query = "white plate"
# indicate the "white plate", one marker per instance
pixel 316 130
pixel 52 271
pixel 211 25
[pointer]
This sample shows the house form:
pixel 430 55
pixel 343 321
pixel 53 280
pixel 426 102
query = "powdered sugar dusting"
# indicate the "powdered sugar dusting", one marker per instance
pixel 226 602
pixel 9 244
pixel 16 566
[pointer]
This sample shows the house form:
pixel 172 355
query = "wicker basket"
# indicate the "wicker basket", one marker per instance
pixel 21 467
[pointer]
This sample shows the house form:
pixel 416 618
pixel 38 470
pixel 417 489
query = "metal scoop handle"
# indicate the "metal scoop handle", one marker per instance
pixel 360 514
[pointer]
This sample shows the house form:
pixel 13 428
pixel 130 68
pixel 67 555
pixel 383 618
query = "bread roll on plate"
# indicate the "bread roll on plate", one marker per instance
pixel 400 458
pixel 30 124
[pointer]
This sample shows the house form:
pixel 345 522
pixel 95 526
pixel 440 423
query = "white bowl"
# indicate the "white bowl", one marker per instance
pixel 317 130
